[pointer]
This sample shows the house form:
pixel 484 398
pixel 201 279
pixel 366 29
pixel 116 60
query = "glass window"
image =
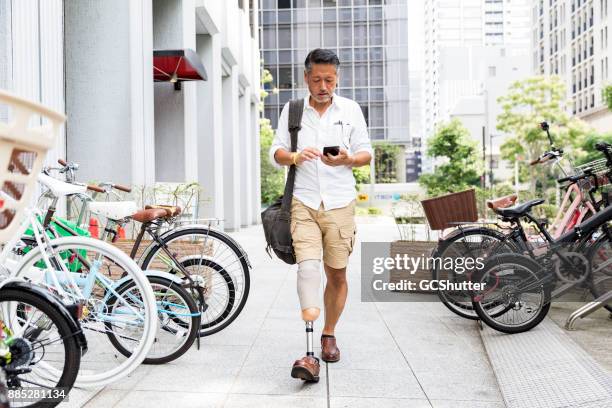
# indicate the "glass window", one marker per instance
pixel 376 34
pixel 284 16
pixel 361 75
pixel 344 14
pixel 361 35
pixel 345 55
pixel 376 74
pixel 344 3
pixel 377 115
pixel 300 36
pixel 269 17
pixel 360 14
pixel 284 97
pixel 299 56
pixel 346 92
pixel 270 112
pixel 361 54
pixel 329 35
pixel 361 94
pixel 365 111
pixel 375 13
pixel 314 15
pixel 284 57
pixel 284 4
pixel 284 78
pixel 346 76
pixel 268 38
pixel 284 37
pixel 376 53
pixel 359 2
pixel 299 3
pixel 345 34
pixel 377 94
pixel 298 75
pixel 268 4
pixel 269 57
pixel 300 16
pixel 329 3
pixel 329 15
pixel 314 36
pixel 314 3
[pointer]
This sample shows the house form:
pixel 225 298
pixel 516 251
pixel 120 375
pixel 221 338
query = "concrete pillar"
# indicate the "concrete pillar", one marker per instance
pixel 210 128
pixel 255 165
pixel 231 149
pixel 176 157
pixel 109 82
pixel 246 153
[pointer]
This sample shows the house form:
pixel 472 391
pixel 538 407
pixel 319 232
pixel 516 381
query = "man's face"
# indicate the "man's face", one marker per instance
pixel 321 81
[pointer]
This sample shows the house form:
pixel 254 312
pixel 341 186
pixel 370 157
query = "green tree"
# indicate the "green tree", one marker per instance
pixel 460 168
pixel 272 179
pixel 385 162
pixel 607 94
pixel 528 103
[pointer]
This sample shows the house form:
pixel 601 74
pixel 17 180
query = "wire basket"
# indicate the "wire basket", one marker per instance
pixel 26 135
pixel 451 209
pixel 599 168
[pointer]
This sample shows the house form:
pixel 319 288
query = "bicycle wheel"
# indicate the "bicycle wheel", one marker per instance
pixel 100 270
pixel 44 351
pixel 212 257
pixel 514 298
pixel 467 243
pixel 178 321
pixel 600 257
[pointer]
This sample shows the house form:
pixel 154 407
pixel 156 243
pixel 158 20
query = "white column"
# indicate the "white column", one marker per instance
pixel 231 150
pixel 246 151
pixel 210 128
pixel 255 166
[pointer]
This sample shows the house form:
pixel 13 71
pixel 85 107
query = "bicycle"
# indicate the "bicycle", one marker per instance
pixel 178 314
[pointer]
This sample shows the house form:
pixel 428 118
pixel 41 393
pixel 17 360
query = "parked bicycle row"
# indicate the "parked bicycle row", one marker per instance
pixel 529 263
pixel 78 311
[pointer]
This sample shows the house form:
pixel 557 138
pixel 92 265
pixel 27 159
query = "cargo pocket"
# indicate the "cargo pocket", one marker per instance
pixel 347 232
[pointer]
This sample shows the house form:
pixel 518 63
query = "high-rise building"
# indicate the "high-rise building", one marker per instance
pixel 466 42
pixel 371 40
pixel 571 38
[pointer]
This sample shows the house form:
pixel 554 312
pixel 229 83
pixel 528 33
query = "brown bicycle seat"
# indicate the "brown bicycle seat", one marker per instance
pixel 173 210
pixel 502 202
pixel 148 215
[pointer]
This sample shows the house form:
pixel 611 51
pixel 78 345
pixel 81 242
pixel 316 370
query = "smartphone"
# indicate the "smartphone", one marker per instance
pixel 333 150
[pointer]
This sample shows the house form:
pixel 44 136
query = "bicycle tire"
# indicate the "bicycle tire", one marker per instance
pixel 208 232
pixel 532 266
pixel 593 282
pixel 189 339
pixel 71 348
pixel 98 379
pixel 465 308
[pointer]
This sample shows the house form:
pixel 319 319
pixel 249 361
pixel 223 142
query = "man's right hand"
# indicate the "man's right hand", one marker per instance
pixel 309 153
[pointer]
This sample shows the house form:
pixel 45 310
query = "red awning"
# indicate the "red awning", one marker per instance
pixel 177 66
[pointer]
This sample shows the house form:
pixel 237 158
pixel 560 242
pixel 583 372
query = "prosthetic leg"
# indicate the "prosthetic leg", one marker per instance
pixel 308 284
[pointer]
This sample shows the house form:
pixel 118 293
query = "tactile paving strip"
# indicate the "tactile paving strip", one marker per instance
pixel 545 368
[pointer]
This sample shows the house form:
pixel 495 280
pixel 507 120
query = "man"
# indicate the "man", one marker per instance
pixel 323 204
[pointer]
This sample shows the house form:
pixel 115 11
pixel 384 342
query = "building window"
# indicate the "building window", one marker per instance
pixel 492 71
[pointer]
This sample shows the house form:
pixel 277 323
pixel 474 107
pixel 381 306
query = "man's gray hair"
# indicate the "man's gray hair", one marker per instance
pixel 321 56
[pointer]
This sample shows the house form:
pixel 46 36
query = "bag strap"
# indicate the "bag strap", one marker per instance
pixel 296 108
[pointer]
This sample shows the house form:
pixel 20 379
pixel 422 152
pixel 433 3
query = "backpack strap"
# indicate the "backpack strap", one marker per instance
pixel 296 108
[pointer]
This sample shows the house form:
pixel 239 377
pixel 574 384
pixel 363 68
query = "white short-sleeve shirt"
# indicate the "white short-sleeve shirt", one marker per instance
pixel 342 124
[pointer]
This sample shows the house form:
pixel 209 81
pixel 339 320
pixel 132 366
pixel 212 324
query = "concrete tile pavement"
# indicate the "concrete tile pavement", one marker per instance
pixel 393 354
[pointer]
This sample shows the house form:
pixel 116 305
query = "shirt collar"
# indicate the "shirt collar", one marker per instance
pixel 333 104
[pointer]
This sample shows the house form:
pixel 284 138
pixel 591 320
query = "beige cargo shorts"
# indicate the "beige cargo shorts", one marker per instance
pixel 331 231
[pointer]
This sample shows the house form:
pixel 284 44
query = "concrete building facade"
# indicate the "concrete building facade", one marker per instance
pixel 571 38
pixel 371 40
pixel 94 60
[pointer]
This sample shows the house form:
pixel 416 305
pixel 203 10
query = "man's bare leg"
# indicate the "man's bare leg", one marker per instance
pixel 336 291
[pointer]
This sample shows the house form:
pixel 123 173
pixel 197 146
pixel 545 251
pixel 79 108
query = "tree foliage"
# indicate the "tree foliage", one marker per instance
pixel 607 94
pixel 385 162
pixel 453 146
pixel 528 103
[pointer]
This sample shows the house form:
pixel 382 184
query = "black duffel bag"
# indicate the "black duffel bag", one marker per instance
pixel 276 219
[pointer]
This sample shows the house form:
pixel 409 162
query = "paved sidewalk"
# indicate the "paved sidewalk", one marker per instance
pixel 393 354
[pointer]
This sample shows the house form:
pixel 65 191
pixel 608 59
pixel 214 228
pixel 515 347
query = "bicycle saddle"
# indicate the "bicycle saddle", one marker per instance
pixel 173 210
pixel 502 202
pixel 518 210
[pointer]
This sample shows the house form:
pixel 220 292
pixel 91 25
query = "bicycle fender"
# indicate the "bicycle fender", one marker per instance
pixel 153 273
pixel 57 303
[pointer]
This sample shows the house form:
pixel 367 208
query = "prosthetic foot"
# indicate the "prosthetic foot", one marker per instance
pixel 307 368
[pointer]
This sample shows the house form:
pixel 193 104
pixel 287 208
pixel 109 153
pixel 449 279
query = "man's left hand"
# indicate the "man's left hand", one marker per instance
pixel 342 159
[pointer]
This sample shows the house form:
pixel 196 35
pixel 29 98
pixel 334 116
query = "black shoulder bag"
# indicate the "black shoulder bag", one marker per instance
pixel 276 219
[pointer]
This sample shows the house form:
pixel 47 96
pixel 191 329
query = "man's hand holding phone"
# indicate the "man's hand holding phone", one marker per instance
pixel 341 159
pixel 308 153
